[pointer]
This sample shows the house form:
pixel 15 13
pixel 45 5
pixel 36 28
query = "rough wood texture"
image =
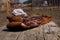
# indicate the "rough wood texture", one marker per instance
pixel 39 33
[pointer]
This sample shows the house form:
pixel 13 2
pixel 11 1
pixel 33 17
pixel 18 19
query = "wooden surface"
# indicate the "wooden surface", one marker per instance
pixel 39 33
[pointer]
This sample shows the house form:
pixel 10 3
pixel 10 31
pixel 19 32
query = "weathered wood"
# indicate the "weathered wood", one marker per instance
pixel 58 34
pixel 51 34
pixel 1 28
pixel 33 34
pixel 6 35
pixel 50 37
pixel 12 36
pixel 39 33
pixel 2 33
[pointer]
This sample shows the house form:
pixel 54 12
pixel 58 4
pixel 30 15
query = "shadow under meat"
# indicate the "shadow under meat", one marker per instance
pixel 16 29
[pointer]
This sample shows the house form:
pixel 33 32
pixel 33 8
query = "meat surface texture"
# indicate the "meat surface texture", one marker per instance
pixel 29 22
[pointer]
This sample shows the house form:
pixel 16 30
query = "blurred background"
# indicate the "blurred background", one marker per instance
pixel 48 7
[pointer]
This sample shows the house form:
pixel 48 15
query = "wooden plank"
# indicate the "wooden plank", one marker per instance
pixel 39 33
pixel 50 37
pixel 8 35
pixel 2 28
pixel 2 33
pixel 52 33
pixel 32 34
pixel 58 34
pixel 11 36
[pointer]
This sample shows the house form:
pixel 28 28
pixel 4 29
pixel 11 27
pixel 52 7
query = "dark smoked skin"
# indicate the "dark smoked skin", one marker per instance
pixel 29 22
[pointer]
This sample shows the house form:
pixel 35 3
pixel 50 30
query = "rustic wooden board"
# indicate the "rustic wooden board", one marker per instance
pixel 11 36
pixel 8 35
pixel 39 33
pixel 32 34
pixel 2 33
